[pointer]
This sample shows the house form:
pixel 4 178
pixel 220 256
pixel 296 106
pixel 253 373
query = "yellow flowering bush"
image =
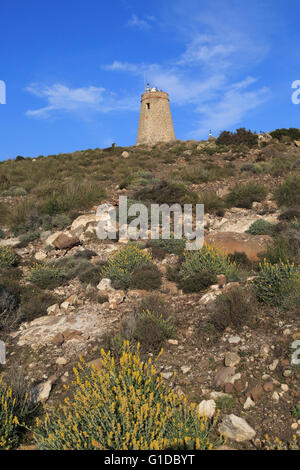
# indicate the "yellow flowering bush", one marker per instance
pixel 273 281
pixel 200 267
pixel 45 275
pixel 8 257
pixel 8 419
pixel 121 264
pixel 125 406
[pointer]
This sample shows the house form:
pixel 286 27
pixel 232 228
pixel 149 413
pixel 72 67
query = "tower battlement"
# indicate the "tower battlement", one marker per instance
pixel 155 124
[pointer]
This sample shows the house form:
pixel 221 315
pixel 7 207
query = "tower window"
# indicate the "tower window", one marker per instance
pixel 148 105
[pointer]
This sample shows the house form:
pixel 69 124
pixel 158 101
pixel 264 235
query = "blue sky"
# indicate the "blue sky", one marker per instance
pixel 74 70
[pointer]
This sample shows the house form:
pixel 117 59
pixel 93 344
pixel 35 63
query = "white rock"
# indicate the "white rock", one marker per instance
pixel 274 364
pixel 61 361
pixel 207 408
pixel 185 369
pixel 284 387
pixel 275 397
pixel 236 428
pixel 174 342
pixel 53 309
pixel 40 393
pixel 248 404
pixel 234 339
pixel 40 256
pixel 105 285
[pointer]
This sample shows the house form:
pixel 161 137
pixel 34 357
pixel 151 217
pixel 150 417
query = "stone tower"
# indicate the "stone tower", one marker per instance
pixel 155 123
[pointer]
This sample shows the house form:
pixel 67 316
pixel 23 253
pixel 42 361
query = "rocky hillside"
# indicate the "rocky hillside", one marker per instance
pixel 227 317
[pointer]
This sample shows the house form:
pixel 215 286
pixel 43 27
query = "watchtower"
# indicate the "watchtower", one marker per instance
pixel 155 123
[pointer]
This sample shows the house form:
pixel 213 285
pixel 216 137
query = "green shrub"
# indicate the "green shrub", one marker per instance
pixel 167 193
pixel 46 276
pixel 288 193
pixel 235 308
pixel 280 134
pixel 171 245
pixel 244 195
pixel 212 202
pixel 241 136
pixel 152 329
pixel 2 233
pixel 198 281
pixel 206 260
pixel 147 277
pixel 125 407
pixel 260 227
pixel 15 191
pixel 122 264
pixel 8 257
pixel 278 251
pixel 273 280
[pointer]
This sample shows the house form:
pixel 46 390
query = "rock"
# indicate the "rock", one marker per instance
pixel 58 339
pixel 116 298
pixel 174 342
pixel 207 408
pixel 40 393
pixel 72 300
pixel 167 375
pixel 125 154
pixel 234 339
pixel 61 361
pixel 223 376
pixel 229 388
pixel 268 387
pixel 231 359
pixel 80 224
pixel 65 241
pixel 248 404
pixel 70 334
pixel 274 365
pixel 11 242
pixel 65 306
pixel 275 397
pixel 40 256
pixel 231 242
pixel 53 309
pixel 284 387
pixel 221 278
pixel 297 143
pixel 185 369
pixel 105 286
pixel 236 428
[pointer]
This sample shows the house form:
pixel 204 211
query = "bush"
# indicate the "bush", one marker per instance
pixel 198 281
pixel 212 202
pixel 15 191
pixel 288 193
pixel 260 227
pixel 172 245
pixel 122 264
pixel 244 195
pixel 125 407
pixel 167 193
pixel 9 309
pixel 46 276
pixel 8 419
pixel 241 136
pixel 152 329
pixel 279 251
pixel 2 233
pixel 280 134
pixel 235 308
pixel 201 266
pixel 147 277
pixel 273 280
pixel 8 257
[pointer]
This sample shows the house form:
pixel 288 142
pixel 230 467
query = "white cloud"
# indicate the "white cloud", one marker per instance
pixel 139 23
pixel 62 99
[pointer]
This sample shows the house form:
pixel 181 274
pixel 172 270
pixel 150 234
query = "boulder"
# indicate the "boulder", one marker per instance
pixel 236 428
pixel 80 224
pixel 65 241
pixel 231 242
pixel 207 408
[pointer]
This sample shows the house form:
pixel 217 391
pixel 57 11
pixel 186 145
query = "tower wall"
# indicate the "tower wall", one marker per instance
pixel 155 123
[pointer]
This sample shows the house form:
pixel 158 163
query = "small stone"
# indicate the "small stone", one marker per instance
pixel 221 278
pixel 174 342
pixel 40 256
pixel 287 373
pixel 248 404
pixel 167 375
pixel 231 359
pixel 58 339
pixel 207 408
pixel 294 426
pixel 274 364
pixel 53 309
pixel 234 339
pixel 228 388
pixel 125 154
pixel 256 392
pixel 275 397
pixel 268 387
pixel 185 369
pixel 223 376
pixel 61 361
pixel 284 387
pixel 64 307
